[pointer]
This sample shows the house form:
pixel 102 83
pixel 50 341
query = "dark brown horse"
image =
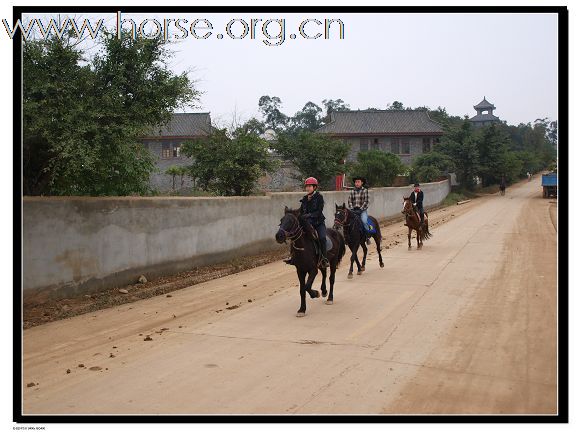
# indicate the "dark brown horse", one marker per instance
pixel 413 222
pixel 354 235
pixel 306 257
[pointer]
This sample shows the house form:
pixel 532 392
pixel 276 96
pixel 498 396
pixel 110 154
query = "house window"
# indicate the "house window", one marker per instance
pixel 426 144
pixel 376 144
pixel 405 146
pixel 176 150
pixel 165 150
pixel 395 145
pixel 364 144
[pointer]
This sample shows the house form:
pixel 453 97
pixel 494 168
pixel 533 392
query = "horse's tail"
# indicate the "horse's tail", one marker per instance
pixel 425 234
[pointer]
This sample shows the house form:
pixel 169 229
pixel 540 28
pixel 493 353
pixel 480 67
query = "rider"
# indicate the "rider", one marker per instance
pixel 416 198
pixel 358 201
pixel 311 210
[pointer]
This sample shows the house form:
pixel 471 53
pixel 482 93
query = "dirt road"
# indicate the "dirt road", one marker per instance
pixel 466 325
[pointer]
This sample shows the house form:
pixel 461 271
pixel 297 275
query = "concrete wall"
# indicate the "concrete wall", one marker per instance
pixel 77 245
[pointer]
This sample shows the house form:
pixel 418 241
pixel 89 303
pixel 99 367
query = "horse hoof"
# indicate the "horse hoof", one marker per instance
pixel 382 265
pixel 316 294
pixel 324 294
pixel 363 269
pixel 300 314
pixel 410 248
pixel 349 276
pixel 329 302
pixel 359 272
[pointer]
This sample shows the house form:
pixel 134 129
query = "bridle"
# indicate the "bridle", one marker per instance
pixel 294 233
pixel 407 211
pixel 342 223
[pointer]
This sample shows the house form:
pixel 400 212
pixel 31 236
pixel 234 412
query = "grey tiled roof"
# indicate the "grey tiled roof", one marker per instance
pixel 484 117
pixel 184 124
pixel 380 122
pixel 484 104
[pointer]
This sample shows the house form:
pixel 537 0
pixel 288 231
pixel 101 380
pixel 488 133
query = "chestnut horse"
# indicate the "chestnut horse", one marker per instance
pixel 413 222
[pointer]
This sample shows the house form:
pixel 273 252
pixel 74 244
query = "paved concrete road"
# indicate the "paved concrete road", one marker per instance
pixel 466 325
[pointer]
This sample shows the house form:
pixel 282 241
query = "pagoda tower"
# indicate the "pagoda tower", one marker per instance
pixel 484 115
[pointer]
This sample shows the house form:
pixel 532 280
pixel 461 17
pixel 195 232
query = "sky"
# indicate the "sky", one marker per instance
pixel 448 60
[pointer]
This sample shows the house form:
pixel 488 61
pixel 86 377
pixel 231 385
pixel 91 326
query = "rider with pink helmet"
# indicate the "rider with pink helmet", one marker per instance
pixel 311 206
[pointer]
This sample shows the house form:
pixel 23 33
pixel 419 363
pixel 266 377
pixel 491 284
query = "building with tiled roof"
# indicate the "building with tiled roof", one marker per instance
pixel 406 133
pixel 165 143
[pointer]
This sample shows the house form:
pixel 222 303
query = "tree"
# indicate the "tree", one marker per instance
pixel 313 154
pixel 270 109
pixel 396 105
pixel 251 126
pixel 430 166
pixel 495 157
pixel 309 119
pixel 228 165
pixel 378 167
pixel 458 143
pixel 83 115
pixel 337 105
pixel 175 171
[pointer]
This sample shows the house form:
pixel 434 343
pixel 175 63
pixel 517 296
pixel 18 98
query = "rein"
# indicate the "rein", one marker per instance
pixel 294 234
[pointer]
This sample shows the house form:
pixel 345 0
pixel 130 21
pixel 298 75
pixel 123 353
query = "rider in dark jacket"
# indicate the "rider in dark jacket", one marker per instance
pixel 311 206
pixel 416 198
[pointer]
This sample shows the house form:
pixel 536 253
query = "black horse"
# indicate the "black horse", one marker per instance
pixel 306 257
pixel 354 234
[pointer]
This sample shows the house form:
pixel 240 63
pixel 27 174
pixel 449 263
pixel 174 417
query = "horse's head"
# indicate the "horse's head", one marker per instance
pixel 289 225
pixel 340 216
pixel 407 206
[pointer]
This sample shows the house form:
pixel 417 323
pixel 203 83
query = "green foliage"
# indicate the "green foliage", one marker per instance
pixel 426 174
pixel 228 165
pixel 314 155
pixel 177 171
pixel 461 147
pixel 378 167
pixel 83 116
pixel 430 166
pixel 495 158
pixel 270 109
pixel 337 105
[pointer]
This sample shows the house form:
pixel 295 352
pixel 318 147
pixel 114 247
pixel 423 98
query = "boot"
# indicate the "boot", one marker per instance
pixel 323 261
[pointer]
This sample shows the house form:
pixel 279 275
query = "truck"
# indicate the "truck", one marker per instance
pixel 550 184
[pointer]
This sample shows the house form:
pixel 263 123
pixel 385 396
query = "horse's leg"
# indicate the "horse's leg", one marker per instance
pixel 311 275
pixel 418 239
pixel 409 235
pixel 358 265
pixel 377 238
pixel 351 261
pixel 323 286
pixel 365 251
pixel 301 277
pixel 330 299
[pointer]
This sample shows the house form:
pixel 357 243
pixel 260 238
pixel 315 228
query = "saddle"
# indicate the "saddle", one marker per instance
pixel 372 229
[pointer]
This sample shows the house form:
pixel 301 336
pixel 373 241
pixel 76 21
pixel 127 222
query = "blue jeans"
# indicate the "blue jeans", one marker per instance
pixel 321 230
pixel 365 217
